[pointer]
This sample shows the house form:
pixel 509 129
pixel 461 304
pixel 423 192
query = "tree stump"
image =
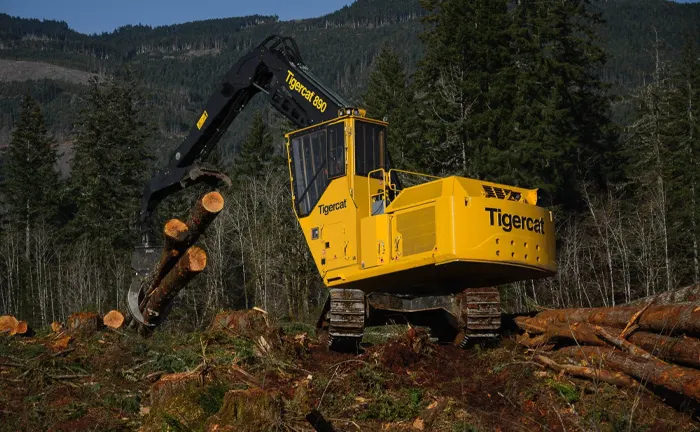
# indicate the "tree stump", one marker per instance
pixel 83 322
pixel 248 410
pixel 246 323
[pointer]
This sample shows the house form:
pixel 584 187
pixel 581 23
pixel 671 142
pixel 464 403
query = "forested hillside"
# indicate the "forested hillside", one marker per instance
pixel 179 65
pixel 594 103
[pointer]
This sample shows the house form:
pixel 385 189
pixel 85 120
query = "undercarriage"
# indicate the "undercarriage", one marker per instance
pixel 472 315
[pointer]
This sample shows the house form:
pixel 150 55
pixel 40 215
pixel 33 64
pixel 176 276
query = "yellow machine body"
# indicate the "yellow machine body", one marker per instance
pixel 365 231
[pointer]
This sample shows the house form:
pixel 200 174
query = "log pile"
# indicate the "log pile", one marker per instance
pixel 624 346
pixel 181 260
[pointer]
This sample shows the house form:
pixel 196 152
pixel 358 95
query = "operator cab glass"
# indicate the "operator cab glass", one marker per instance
pixel 370 148
pixel 318 157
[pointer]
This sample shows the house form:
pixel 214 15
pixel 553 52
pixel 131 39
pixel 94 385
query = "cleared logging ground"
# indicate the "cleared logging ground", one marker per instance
pixel 248 374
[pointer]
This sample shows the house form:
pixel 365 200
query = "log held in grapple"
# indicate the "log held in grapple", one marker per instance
pixel 180 260
pixel 189 266
pixel 179 236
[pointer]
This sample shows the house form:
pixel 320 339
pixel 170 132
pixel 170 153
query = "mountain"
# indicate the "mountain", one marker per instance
pixel 179 65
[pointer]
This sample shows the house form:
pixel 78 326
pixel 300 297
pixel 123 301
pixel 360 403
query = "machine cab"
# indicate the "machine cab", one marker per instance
pixel 332 162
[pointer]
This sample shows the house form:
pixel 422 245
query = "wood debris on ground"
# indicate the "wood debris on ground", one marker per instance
pixel 626 346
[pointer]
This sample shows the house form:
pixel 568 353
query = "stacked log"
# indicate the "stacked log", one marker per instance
pixel 181 260
pixel 625 346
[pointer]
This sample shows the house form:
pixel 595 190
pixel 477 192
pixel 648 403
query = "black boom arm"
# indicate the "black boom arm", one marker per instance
pixel 274 68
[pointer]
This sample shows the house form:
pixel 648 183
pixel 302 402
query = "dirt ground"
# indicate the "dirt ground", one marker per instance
pixel 114 380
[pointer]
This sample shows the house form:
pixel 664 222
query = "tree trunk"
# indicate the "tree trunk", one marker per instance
pixel 682 350
pixel 665 318
pixel 189 266
pixel 679 379
pixel 610 377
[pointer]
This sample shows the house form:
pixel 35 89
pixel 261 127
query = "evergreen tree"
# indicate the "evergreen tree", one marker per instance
pixel 257 153
pixel 684 158
pixel 389 97
pixel 111 164
pixel 559 134
pixel 31 184
pixel 650 151
pixel 464 85
pixel 510 94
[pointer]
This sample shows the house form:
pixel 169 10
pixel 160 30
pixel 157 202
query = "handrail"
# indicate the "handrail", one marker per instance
pixel 383 192
pixel 392 186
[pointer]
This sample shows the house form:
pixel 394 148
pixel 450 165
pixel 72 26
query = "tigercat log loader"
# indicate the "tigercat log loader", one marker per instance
pixel 429 253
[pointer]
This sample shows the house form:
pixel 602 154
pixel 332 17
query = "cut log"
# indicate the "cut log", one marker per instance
pixel 531 341
pixel 114 319
pixel 611 377
pixel 624 345
pixel 190 265
pixel 83 322
pixel 554 331
pixel 530 325
pixel 175 233
pixel 8 323
pixel 683 350
pixel 179 237
pixel 22 329
pixel 661 319
pixel 632 324
pixel 56 327
pixel 204 212
pixel 246 323
pixel 689 294
pixel 679 379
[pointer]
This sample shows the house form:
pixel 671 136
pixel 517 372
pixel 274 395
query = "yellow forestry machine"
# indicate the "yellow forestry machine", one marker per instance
pixel 430 254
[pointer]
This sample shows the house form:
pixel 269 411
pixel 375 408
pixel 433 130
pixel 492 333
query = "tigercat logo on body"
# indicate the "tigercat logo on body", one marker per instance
pixel 509 221
pixel 326 209
pixel 311 96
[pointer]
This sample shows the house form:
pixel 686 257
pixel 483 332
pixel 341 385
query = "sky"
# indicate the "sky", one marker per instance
pixel 86 16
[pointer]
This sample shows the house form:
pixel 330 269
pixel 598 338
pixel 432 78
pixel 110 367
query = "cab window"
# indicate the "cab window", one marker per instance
pixel 318 156
pixel 370 148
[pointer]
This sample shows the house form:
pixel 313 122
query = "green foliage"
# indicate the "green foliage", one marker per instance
pixel 390 406
pixel 30 186
pixel 389 97
pixel 464 426
pixel 257 153
pixel 111 164
pixel 212 397
pixel 510 95
pixel 567 391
